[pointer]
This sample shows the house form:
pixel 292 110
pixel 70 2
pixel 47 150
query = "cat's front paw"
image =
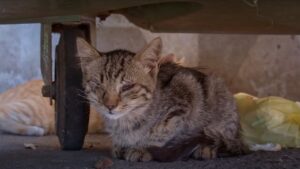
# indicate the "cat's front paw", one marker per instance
pixel 135 155
pixel 205 152
pixel 118 152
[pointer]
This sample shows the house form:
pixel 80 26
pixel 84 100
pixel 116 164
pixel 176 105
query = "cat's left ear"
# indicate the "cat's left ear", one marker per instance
pixel 86 52
pixel 150 55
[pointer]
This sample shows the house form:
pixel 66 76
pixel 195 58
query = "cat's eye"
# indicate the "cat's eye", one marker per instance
pixel 127 86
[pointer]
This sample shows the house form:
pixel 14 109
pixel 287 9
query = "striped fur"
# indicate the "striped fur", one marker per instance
pixel 24 111
pixel 159 110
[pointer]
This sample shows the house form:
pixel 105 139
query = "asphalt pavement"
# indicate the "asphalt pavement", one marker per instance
pixel 48 155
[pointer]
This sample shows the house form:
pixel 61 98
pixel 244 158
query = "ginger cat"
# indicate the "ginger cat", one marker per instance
pixel 24 111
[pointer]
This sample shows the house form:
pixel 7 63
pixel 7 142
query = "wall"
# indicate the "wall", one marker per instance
pixel 19 54
pixel 262 65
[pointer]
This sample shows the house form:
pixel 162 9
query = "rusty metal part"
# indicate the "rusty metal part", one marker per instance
pixel 46 60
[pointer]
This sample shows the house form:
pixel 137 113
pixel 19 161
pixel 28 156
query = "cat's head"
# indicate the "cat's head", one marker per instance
pixel 119 82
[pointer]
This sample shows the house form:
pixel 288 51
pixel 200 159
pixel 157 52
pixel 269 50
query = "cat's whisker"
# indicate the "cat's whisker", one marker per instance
pixel 82 94
pixel 80 91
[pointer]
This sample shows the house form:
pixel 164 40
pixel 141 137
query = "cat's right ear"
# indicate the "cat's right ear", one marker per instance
pixel 86 52
pixel 150 55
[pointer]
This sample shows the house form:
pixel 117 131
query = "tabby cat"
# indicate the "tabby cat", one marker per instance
pixel 24 111
pixel 158 111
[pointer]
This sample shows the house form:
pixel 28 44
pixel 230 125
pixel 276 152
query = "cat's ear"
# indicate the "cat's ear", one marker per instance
pixel 150 55
pixel 86 52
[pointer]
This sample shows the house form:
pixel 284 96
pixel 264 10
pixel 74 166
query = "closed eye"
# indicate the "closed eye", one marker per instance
pixel 127 86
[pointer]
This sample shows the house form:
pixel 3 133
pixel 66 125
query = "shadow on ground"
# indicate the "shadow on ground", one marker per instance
pixel 48 155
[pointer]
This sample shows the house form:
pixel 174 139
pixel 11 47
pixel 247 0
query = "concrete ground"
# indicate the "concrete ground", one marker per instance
pixel 48 155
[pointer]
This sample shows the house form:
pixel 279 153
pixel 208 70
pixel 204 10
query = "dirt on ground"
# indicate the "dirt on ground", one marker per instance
pixel 48 155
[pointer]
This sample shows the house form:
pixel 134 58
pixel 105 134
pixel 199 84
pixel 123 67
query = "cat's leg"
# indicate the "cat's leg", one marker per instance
pixel 205 152
pixel 230 137
pixel 131 154
pixel 226 134
pixel 170 126
pixel 118 151
pixel 235 146
pixel 211 142
pixel 208 147
pixel 137 155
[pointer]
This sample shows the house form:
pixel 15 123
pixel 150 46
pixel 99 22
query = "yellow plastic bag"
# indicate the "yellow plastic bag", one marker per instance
pixel 269 120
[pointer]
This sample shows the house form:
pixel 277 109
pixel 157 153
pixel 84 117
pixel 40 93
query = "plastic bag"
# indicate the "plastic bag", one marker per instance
pixel 269 120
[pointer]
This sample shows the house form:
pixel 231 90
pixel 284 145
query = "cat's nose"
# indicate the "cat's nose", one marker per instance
pixel 111 107
pixel 111 101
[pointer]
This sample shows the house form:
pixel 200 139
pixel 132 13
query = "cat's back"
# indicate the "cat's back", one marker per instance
pixel 182 80
pixel 195 90
pixel 23 91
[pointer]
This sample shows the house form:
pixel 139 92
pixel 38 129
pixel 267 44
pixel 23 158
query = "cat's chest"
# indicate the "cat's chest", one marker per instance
pixel 129 132
pixel 129 137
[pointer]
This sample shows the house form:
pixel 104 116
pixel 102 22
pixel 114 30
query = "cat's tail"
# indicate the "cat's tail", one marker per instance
pixel 22 117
